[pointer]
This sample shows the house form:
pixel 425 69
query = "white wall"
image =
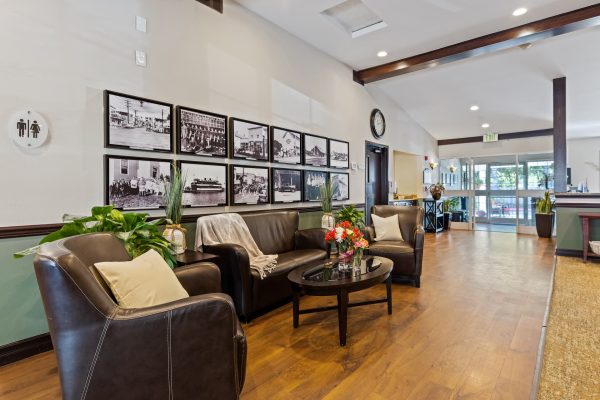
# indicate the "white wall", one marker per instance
pixel 59 56
pixel 583 157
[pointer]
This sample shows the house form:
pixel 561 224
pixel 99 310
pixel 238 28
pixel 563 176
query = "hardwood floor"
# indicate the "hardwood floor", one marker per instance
pixel 470 332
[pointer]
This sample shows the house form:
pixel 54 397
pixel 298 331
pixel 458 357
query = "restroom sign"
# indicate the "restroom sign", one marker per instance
pixel 28 129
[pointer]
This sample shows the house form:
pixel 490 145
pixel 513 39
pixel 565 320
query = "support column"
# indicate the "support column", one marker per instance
pixel 560 134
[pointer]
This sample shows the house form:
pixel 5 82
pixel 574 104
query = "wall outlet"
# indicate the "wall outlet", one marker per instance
pixel 140 58
pixel 140 24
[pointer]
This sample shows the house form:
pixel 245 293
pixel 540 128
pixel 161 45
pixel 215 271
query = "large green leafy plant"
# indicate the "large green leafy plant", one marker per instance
pixel 544 205
pixel 352 215
pixel 137 233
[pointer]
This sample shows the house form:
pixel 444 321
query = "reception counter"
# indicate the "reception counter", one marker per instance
pixel 569 233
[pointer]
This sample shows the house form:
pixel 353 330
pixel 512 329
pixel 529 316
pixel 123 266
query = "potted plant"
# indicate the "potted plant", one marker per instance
pixel 350 242
pixel 351 215
pixel 327 221
pixel 137 233
pixel 544 216
pixel 449 206
pixel 173 197
pixel 436 191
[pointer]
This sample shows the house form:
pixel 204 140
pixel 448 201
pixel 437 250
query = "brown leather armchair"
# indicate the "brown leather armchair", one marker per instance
pixel 191 348
pixel 274 233
pixel 408 254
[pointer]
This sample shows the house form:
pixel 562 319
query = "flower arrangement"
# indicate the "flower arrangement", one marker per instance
pixel 349 240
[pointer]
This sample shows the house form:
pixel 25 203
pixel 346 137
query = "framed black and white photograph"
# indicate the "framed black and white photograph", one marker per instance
pixel 315 150
pixel 287 185
pixel 136 123
pixel 201 133
pixel 250 140
pixel 133 183
pixel 249 185
pixel 313 181
pixel 340 182
pixel 205 184
pixel 286 146
pixel 339 154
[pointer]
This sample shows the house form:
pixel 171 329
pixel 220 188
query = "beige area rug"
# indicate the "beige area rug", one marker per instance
pixel 571 358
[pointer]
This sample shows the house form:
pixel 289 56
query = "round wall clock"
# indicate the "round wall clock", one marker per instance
pixel 377 123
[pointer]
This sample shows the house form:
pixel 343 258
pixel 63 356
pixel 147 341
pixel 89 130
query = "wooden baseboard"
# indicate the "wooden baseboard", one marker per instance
pixel 25 348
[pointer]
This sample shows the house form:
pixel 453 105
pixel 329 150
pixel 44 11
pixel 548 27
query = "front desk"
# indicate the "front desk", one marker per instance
pixel 569 234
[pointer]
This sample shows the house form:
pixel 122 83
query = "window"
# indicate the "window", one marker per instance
pixel 540 175
pixel 479 177
pixel 124 167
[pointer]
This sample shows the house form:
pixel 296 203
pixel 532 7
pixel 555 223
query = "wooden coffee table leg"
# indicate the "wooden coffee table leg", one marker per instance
pixel 388 284
pixel 296 305
pixel 343 314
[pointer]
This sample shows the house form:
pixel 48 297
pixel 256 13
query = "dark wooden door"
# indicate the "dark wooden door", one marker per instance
pixel 376 179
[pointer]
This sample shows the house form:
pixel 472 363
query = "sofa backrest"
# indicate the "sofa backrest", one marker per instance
pixel 409 217
pixel 273 232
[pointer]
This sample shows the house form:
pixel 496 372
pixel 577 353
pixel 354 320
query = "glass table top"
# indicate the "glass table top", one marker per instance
pixel 333 271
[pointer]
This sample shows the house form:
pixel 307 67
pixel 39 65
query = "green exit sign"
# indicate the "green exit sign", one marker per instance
pixel 490 137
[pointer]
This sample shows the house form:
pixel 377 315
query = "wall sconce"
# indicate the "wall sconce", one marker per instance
pixel 433 165
pixel 452 169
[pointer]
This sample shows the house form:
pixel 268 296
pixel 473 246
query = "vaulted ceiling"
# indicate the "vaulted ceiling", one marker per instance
pixel 513 88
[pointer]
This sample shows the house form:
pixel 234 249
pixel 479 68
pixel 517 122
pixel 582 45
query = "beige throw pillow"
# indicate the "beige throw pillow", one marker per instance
pixel 145 281
pixel 386 228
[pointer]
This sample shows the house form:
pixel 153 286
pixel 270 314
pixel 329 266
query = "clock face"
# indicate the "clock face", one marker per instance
pixel 377 123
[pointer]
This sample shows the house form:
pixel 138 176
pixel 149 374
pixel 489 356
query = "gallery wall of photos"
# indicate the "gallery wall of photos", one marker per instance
pixel 136 123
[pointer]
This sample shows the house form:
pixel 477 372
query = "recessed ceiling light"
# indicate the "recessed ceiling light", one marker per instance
pixel 382 53
pixel 520 11
pixel 485 126
pixel 474 107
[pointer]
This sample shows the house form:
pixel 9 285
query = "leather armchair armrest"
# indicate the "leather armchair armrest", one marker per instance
pixel 369 233
pixel 419 238
pixel 200 278
pixel 235 274
pixel 195 333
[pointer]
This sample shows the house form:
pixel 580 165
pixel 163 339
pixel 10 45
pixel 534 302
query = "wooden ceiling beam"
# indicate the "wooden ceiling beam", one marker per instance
pixel 529 33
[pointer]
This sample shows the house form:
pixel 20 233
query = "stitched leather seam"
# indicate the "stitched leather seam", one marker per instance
pixel 97 353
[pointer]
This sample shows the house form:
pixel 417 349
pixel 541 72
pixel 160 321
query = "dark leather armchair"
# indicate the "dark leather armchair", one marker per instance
pixel 192 348
pixel 274 233
pixel 407 255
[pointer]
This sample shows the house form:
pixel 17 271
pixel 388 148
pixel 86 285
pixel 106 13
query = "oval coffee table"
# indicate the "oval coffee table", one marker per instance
pixel 322 278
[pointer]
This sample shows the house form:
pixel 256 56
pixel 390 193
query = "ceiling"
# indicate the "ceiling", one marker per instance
pixel 513 88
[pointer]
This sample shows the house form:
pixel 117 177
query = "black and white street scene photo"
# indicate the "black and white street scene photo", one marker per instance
pixel 135 183
pixel 250 140
pixel 202 133
pixel 315 150
pixel 286 146
pixel 250 185
pixel 313 180
pixel 341 188
pixel 339 154
pixel 138 123
pixel 205 184
pixel 287 185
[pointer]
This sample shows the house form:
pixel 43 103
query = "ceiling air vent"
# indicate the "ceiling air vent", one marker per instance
pixel 355 18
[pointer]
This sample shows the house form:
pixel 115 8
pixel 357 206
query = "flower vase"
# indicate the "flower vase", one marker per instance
pixel 175 234
pixel 357 262
pixel 327 221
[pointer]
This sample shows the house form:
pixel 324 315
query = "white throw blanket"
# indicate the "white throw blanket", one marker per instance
pixel 231 228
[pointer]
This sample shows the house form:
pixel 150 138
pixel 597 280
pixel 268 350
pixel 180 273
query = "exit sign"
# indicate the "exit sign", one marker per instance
pixel 490 137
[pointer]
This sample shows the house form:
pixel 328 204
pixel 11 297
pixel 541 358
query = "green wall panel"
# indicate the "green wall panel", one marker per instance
pixel 21 310
pixel 568 228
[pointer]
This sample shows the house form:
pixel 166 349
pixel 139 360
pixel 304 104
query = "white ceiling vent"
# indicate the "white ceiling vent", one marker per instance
pixel 354 17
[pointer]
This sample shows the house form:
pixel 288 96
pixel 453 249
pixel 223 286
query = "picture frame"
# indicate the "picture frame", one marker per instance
pixel 312 182
pixel 249 185
pixel 339 154
pixel 249 140
pixel 286 185
pixel 135 183
pixel 286 146
pixel 340 182
pixel 427 176
pixel 137 123
pixel 315 150
pixel 201 133
pixel 206 184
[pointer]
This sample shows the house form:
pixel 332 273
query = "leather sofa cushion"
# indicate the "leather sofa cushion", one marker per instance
pixel 274 232
pixel 401 253
pixel 293 259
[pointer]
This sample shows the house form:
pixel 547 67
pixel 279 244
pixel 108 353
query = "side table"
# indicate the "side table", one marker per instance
pixel 193 256
pixel 585 227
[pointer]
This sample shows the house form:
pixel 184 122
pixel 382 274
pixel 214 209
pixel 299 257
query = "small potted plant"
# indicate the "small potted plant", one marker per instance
pixel 351 215
pixel 327 221
pixel 544 216
pixel 436 191
pixel 173 196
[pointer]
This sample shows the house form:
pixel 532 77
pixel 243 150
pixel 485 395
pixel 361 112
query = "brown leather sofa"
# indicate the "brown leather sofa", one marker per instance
pixel 192 348
pixel 274 233
pixel 408 254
